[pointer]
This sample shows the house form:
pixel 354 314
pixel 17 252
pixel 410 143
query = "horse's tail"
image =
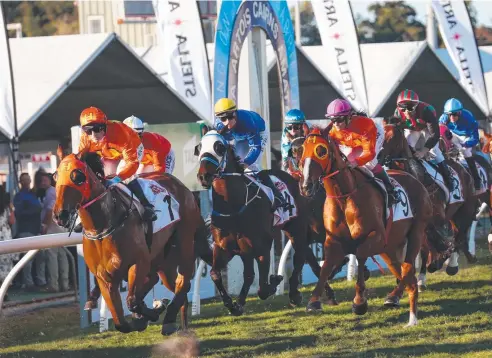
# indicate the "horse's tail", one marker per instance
pixel 203 241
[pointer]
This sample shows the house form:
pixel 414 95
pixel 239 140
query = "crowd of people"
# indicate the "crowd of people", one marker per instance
pixel 30 214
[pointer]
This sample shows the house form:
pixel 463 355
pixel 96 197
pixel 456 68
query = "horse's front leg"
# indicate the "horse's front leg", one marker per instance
pixel 313 262
pixel 220 261
pixel 137 276
pixel 111 294
pixel 268 285
pixel 359 306
pixel 334 256
pixel 248 278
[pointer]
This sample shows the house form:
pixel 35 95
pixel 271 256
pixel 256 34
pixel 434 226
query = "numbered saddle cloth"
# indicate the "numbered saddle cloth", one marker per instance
pixel 281 216
pixel 457 195
pixel 165 205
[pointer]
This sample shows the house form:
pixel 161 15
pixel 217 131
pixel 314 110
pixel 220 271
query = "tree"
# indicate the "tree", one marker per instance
pixel 43 18
pixel 472 12
pixel 393 21
pixel 309 29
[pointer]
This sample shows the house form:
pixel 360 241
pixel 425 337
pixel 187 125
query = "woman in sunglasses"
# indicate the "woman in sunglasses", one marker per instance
pixel 464 131
pixel 114 142
pixel 295 127
pixel 420 119
pixel 247 130
pixel 361 139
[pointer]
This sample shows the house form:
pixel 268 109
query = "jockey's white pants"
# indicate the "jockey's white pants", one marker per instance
pixel 414 136
pixel 458 142
pixel 111 166
pixel 352 154
pixel 149 168
pixel 242 149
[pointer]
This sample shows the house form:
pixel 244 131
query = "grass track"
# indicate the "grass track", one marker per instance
pixel 454 321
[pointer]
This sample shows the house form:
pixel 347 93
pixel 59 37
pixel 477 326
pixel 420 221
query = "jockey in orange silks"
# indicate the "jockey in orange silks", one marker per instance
pixel 360 139
pixel 114 142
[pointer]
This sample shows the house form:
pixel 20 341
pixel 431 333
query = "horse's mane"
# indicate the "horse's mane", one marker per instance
pixel 94 161
pixel 359 112
pixel 236 159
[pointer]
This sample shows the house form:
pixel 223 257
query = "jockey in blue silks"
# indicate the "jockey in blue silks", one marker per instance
pixel 247 130
pixel 295 125
pixel 464 131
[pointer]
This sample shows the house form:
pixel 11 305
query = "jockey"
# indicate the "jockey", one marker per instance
pixel 419 118
pixel 364 138
pixel 294 128
pixel 158 155
pixel 243 126
pixel 464 129
pixel 114 142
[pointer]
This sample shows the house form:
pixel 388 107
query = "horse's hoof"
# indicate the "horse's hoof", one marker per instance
pixel 433 267
pixel 367 273
pixel 392 301
pixel 472 259
pixel 264 294
pixel 169 328
pixel 275 280
pixel 422 288
pixel 237 309
pixel 139 324
pixel 90 305
pixel 360 309
pixel 451 271
pixel 314 306
pixel 295 299
pixel 123 328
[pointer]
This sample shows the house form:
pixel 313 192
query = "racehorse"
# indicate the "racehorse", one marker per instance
pixel 436 250
pixel 453 153
pixel 242 221
pixel 356 221
pixel 116 246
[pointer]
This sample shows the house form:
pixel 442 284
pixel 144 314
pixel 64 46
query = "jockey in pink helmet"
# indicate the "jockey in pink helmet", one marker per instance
pixel 359 138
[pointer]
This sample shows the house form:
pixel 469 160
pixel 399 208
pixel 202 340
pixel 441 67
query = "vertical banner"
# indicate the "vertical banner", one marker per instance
pixel 343 60
pixel 457 32
pixel 180 30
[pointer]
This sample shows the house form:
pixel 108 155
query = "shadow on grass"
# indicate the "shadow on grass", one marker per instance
pixel 138 352
pixel 254 347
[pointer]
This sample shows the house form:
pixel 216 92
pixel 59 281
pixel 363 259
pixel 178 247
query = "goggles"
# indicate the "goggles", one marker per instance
pixel 410 107
pixel 294 127
pixel 337 119
pixel 96 128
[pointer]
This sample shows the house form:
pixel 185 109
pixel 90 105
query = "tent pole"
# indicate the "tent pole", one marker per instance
pixel 15 139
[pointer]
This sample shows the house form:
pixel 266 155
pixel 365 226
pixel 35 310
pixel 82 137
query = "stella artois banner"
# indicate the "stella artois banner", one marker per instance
pixel 343 61
pixel 181 34
pixel 7 124
pixel 457 32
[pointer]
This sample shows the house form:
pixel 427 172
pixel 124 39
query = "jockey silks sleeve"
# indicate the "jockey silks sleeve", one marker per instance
pixel 466 126
pixel 156 150
pixel 425 117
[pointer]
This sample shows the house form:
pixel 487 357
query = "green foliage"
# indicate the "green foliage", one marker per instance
pixel 43 18
pixel 393 21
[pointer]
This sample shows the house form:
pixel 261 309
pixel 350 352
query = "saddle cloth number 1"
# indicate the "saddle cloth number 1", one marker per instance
pixel 166 207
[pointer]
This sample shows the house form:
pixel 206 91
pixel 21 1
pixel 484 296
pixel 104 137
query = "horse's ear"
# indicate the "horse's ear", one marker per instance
pixel 204 128
pixel 197 149
pixel 59 152
pixel 305 129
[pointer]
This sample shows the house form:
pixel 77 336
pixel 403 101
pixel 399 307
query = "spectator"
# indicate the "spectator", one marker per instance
pixel 6 221
pixel 56 258
pixel 28 217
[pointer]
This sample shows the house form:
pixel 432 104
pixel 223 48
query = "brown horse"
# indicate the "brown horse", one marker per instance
pixel 398 155
pixel 355 221
pixel 115 244
pixel 242 222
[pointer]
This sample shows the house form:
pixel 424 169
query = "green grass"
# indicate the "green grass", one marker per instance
pixel 454 321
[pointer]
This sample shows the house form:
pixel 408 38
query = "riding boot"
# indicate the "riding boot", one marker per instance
pixel 279 201
pixel 472 168
pixel 149 213
pixel 390 189
pixel 446 174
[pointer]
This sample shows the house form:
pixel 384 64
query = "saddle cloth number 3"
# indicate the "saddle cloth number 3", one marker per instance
pixel 166 207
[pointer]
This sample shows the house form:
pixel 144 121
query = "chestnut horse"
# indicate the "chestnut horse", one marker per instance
pixel 398 155
pixel 242 222
pixel 115 245
pixel 355 221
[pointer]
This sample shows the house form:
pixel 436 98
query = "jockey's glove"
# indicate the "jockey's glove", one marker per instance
pixel 113 181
